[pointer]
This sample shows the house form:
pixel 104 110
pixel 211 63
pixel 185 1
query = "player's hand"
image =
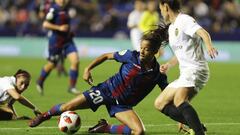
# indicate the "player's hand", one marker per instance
pixel 88 77
pixel 212 52
pixel 64 28
pixel 37 112
pixel 164 68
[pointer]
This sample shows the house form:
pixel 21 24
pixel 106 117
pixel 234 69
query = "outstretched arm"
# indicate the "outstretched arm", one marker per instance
pixel 87 71
pixel 212 52
pixel 10 104
pixel 24 101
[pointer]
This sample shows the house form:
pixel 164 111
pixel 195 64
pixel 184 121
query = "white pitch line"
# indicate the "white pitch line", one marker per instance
pixel 147 125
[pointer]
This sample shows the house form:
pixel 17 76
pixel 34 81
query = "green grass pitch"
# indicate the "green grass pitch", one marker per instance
pixel 217 103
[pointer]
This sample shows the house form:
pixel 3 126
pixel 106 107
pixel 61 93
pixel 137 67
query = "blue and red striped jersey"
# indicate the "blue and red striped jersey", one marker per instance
pixel 132 83
pixel 59 16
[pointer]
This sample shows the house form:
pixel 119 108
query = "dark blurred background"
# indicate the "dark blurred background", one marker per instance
pixel 108 18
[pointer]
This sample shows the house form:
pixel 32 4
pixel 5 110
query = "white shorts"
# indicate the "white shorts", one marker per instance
pixel 196 78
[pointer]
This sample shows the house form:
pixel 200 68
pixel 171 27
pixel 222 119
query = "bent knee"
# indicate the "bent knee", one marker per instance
pixel 138 131
pixel 159 104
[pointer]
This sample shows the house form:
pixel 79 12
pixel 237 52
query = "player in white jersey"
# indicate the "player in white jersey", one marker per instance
pixel 11 88
pixel 133 24
pixel 185 39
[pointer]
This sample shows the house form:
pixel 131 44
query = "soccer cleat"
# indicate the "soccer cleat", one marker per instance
pixel 40 88
pixel 189 131
pixel 39 119
pixel 74 91
pixel 100 127
pixel 183 128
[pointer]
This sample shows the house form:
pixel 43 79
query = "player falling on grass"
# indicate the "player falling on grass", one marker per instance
pixel 185 39
pixel 137 76
pixel 11 88
pixel 61 41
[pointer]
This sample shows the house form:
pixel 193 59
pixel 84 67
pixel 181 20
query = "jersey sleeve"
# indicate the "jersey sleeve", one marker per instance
pixel 123 56
pixel 162 81
pixel 7 85
pixel 189 25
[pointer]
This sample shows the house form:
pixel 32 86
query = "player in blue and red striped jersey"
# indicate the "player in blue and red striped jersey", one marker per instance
pixel 60 41
pixel 137 76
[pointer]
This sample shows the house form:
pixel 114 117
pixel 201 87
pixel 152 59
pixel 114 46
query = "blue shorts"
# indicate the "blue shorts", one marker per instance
pixel 98 95
pixel 55 54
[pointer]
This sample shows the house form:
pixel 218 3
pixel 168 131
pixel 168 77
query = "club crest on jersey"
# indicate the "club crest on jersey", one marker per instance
pixel 176 32
pixel 122 52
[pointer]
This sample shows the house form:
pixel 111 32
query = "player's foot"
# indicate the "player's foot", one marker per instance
pixel 188 131
pixel 74 91
pixel 100 127
pixel 183 128
pixel 39 119
pixel 40 88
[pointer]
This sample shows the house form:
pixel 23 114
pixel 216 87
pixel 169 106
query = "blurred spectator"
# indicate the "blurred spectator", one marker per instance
pixel 133 24
pixel 107 18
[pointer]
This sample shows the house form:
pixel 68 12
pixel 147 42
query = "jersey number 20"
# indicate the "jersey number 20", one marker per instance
pixel 95 95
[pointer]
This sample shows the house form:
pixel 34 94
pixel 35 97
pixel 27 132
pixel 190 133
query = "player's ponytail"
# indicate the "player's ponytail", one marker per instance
pixel 173 4
pixel 157 37
pixel 21 72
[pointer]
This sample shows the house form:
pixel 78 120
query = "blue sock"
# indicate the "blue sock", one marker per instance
pixel 42 77
pixel 73 78
pixel 119 129
pixel 55 110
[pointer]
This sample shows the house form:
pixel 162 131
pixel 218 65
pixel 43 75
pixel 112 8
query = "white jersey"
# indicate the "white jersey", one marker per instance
pixel 135 33
pixel 6 83
pixel 186 45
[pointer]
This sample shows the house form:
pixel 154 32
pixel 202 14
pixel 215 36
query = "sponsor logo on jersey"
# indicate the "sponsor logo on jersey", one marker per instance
pixel 122 52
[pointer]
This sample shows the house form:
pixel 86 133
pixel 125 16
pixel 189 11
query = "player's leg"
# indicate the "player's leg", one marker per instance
pixel 43 75
pixel 78 102
pixel 181 101
pixel 73 57
pixel 131 122
pixel 5 114
pixel 164 103
pixel 165 97
pixel 60 67
pixel 51 63
pixel 89 99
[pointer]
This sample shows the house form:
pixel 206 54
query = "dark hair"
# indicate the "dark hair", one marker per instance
pixel 173 4
pixel 157 37
pixel 21 72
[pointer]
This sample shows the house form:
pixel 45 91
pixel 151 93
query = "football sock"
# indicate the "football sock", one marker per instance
pixel 118 129
pixel 55 110
pixel 172 111
pixel 42 77
pixel 73 78
pixel 191 117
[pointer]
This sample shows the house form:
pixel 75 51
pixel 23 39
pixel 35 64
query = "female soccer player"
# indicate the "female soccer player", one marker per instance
pixel 137 76
pixel 11 88
pixel 60 41
pixel 185 39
